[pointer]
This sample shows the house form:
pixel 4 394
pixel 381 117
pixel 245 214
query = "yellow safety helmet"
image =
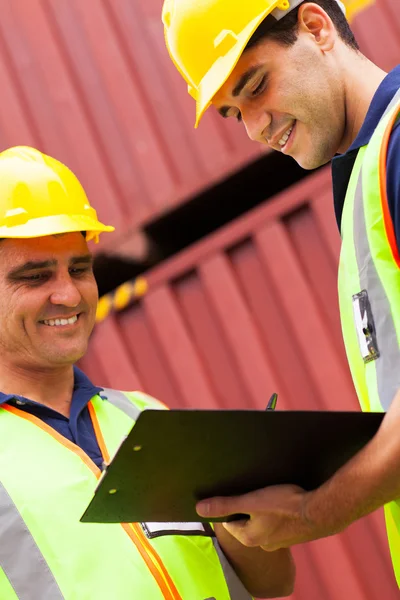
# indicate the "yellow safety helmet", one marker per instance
pixel 40 196
pixel 205 39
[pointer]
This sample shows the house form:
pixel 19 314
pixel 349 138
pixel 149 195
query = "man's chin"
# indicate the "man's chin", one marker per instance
pixel 65 357
pixel 309 163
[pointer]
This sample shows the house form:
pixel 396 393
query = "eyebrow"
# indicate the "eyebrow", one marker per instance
pixel 32 265
pixel 85 258
pixel 243 80
pixel 239 87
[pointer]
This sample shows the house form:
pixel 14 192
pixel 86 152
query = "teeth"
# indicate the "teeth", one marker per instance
pixel 57 322
pixel 285 137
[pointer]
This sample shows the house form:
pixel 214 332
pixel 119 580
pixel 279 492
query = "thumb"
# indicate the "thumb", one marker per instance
pixel 220 506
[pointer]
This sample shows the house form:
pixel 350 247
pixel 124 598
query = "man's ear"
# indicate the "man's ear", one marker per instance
pixel 312 19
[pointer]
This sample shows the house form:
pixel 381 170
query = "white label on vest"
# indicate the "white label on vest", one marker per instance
pixel 365 326
pixel 156 529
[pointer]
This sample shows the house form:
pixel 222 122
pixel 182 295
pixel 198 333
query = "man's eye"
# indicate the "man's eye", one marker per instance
pixel 79 270
pixel 34 277
pixel 259 88
pixel 233 112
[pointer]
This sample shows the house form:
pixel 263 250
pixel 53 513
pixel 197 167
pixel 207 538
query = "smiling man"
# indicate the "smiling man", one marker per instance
pixel 57 429
pixel 47 302
pixel 292 73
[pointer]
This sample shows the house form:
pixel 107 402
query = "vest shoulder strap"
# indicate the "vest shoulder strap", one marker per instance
pixel 131 403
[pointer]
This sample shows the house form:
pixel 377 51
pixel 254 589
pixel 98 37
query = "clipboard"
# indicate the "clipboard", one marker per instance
pixel 171 459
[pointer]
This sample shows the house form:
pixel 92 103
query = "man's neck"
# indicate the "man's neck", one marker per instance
pixel 362 80
pixel 51 387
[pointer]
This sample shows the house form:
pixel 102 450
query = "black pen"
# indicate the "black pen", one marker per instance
pixel 272 402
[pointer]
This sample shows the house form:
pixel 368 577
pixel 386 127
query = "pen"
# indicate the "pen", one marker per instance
pixel 272 402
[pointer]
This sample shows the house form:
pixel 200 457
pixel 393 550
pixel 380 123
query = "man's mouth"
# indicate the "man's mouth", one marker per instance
pixel 284 139
pixel 61 321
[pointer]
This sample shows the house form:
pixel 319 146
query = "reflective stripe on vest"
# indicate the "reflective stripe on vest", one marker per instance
pixel 369 264
pixel 236 588
pixel 237 591
pixel 113 565
pixel 387 366
pixel 20 558
pixel 119 400
pixel 148 553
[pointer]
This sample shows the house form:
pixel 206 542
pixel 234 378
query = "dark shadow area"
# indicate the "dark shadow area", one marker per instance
pixel 202 215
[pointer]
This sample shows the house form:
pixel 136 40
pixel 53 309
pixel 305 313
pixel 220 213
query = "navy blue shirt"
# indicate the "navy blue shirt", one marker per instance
pixel 342 165
pixel 78 428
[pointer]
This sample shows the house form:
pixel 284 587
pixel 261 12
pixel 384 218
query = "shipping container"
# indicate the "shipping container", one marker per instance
pixel 251 309
pixel 91 83
pixel 248 311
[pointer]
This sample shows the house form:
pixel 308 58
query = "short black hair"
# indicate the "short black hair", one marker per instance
pixel 82 232
pixel 285 31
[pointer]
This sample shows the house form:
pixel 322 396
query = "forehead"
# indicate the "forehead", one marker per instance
pixel 52 247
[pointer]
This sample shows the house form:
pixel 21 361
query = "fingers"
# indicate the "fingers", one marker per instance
pixel 253 532
pixel 242 531
pixel 220 506
pixel 223 506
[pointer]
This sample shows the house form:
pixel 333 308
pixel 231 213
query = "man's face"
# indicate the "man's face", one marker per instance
pixel 48 298
pixel 289 98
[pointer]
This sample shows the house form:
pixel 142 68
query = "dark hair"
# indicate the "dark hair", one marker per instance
pixel 82 232
pixel 285 31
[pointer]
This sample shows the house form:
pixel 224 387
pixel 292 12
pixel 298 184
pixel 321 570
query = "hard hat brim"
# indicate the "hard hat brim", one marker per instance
pixel 56 224
pixel 217 75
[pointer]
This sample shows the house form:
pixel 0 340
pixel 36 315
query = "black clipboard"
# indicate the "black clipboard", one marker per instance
pixel 171 459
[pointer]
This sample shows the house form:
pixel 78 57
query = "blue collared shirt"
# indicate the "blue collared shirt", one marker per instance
pixel 342 165
pixel 78 428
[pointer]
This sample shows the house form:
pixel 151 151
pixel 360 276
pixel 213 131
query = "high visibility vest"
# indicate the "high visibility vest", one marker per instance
pixel 46 553
pixel 369 289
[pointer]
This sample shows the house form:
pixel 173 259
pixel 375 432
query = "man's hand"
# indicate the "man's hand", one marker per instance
pixel 284 515
pixel 278 517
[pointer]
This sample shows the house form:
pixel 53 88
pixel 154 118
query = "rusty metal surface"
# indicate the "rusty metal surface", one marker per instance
pixel 91 83
pixel 248 311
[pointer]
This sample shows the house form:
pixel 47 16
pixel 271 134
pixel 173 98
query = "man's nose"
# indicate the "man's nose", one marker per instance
pixel 65 292
pixel 256 123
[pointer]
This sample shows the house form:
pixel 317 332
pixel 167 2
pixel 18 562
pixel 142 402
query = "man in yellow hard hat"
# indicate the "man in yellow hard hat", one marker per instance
pixel 57 429
pixel 292 73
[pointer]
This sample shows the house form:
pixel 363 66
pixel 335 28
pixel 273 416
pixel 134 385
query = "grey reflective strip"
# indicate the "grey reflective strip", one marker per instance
pixel 119 400
pixel 20 558
pixel 388 364
pixel 237 591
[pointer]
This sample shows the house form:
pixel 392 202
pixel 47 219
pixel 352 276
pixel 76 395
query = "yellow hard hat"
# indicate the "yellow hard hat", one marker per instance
pixel 40 196
pixel 205 39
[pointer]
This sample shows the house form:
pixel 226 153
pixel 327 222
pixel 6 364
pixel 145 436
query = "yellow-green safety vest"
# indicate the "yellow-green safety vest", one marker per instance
pixel 46 553
pixel 369 289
